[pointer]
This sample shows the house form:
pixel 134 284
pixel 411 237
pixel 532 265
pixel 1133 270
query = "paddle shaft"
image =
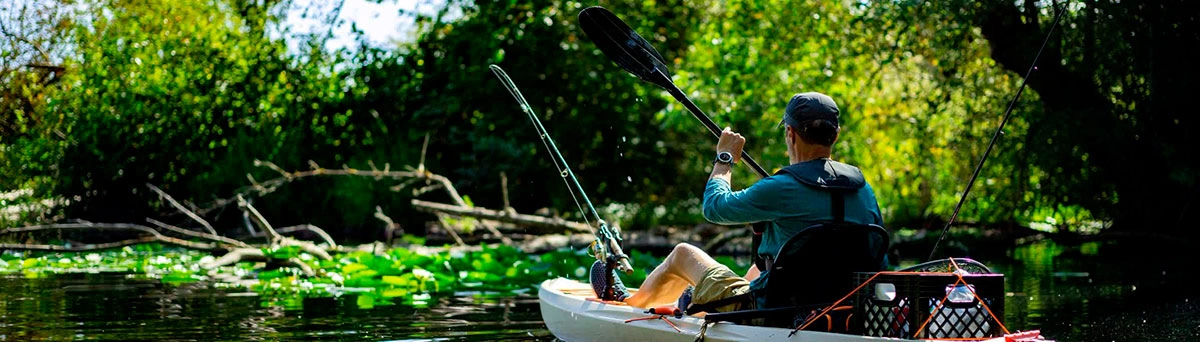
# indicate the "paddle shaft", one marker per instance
pixel 699 114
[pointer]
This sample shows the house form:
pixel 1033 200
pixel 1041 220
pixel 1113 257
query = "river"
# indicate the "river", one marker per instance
pixel 1091 292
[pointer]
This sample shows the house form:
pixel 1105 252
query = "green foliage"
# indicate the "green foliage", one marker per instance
pixel 29 76
pixel 595 111
pixel 187 95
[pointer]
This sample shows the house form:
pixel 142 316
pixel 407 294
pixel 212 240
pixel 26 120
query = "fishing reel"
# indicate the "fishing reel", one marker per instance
pixel 609 257
pixel 607 248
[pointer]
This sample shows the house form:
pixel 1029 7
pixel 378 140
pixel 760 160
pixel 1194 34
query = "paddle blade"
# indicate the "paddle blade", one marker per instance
pixel 624 46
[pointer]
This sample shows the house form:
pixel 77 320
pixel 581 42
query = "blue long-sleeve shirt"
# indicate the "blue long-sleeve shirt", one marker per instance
pixel 789 205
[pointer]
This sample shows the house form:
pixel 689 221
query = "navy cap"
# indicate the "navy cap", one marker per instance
pixel 810 106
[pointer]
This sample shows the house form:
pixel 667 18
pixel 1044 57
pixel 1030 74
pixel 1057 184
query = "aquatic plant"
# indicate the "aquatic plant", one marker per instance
pixel 396 275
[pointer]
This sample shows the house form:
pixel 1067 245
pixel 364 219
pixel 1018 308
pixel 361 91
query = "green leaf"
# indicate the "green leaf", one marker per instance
pixel 354 267
pixel 397 280
pixel 365 302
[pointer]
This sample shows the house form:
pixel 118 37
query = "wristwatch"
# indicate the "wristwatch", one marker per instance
pixel 724 158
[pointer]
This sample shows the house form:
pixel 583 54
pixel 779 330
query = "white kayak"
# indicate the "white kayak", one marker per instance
pixel 573 314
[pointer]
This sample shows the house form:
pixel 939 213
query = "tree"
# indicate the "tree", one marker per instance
pixel 32 34
pixel 1115 136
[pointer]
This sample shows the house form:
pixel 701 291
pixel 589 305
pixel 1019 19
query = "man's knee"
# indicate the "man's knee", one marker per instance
pixel 685 251
pixel 684 248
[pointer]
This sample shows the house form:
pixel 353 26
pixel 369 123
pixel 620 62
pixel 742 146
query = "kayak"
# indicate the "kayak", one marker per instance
pixel 572 313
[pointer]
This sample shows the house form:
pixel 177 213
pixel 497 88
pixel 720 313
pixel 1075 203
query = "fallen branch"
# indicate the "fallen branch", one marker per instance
pixel 391 227
pixel 316 230
pixel 546 243
pixel 442 183
pixel 307 247
pixel 269 186
pixel 79 248
pixel 305 227
pixel 549 223
pixel 81 225
pixel 154 236
pixel 275 239
pixel 182 209
pixel 210 237
pixel 444 219
pixel 257 218
pixel 433 181
pixel 253 254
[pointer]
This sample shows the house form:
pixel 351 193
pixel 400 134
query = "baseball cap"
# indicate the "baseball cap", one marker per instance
pixel 810 106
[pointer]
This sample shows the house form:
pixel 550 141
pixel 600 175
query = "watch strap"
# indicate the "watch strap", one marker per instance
pixel 718 158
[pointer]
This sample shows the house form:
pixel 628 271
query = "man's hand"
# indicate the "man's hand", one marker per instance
pixel 731 142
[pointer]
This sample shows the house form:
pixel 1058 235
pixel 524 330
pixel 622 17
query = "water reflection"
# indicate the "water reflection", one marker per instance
pixel 1125 291
pixel 1112 291
pixel 114 307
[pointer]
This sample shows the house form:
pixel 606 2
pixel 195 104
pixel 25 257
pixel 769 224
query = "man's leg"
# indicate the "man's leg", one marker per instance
pixel 683 267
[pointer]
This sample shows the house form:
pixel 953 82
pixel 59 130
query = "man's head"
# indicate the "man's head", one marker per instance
pixel 814 117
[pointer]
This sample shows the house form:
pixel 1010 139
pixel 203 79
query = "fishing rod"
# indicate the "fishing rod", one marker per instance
pixel 607 247
pixel 999 130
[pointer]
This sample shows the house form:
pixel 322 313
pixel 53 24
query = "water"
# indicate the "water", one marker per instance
pixel 1126 291
pixel 1090 292
pixel 114 308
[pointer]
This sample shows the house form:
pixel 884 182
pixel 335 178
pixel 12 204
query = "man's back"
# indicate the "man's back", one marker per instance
pixel 789 204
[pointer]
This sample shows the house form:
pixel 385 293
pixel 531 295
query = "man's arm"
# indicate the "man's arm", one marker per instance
pixel 731 142
pixel 723 172
pixel 722 205
pixel 757 203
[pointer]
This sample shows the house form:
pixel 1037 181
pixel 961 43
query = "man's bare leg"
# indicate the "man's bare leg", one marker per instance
pixel 684 266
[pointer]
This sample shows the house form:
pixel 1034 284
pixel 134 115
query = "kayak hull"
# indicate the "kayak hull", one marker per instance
pixel 572 313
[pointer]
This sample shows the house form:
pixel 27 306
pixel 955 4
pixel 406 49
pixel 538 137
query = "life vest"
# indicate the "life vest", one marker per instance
pixel 828 175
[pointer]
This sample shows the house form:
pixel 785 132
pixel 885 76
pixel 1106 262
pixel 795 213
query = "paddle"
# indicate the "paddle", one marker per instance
pixel 634 54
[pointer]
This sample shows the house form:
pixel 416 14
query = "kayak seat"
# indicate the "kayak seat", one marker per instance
pixel 816 266
pixel 813 269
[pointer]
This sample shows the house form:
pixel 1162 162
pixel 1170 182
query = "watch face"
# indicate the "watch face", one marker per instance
pixel 725 157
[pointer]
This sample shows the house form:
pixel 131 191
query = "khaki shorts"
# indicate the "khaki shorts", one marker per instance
pixel 720 282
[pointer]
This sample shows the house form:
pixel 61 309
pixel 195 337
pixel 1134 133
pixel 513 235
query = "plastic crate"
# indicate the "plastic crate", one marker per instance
pixel 896 305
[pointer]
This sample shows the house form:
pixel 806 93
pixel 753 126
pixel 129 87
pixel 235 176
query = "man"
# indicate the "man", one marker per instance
pixel 794 198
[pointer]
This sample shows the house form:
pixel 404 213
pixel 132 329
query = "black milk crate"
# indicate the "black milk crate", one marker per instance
pixel 895 305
